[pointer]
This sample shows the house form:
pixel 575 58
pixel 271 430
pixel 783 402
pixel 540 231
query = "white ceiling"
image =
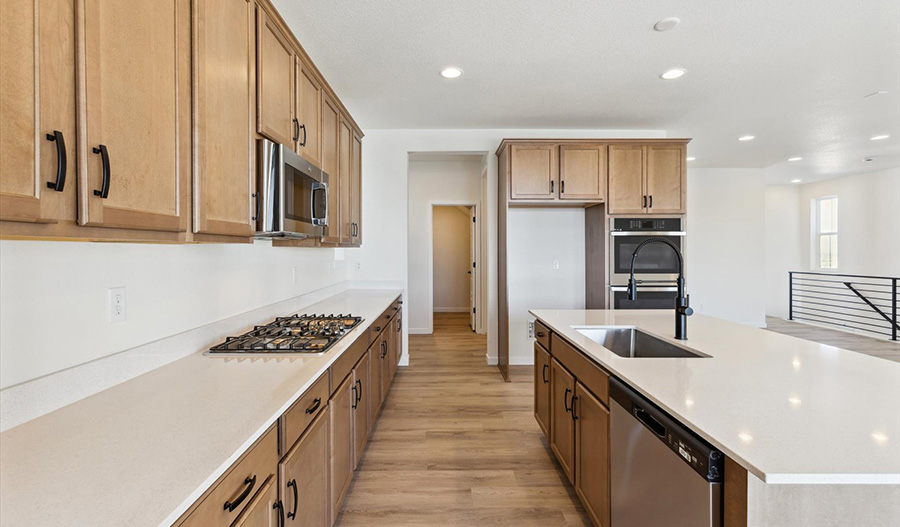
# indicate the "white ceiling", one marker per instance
pixel 793 73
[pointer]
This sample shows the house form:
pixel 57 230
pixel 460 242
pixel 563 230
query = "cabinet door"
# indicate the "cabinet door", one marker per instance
pixel 345 154
pixel 308 107
pixel 582 172
pixel 37 99
pixel 264 510
pixel 627 190
pixel 374 380
pixel 534 172
pixel 340 411
pixel 592 454
pixel 134 113
pixel 386 363
pixel 562 427
pixel 274 82
pixel 331 128
pixel 542 388
pixel 356 189
pixel 665 179
pixel 361 424
pixel 224 150
pixel 304 478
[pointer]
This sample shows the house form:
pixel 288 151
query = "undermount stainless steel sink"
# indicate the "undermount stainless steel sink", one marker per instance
pixel 633 343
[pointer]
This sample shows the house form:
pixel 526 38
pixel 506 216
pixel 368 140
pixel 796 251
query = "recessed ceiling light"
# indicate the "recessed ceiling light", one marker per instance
pixel 796 181
pixel 794 158
pixel 880 137
pixel 451 73
pixel 879 437
pixel 746 138
pixel 667 23
pixel 673 73
pixel 691 158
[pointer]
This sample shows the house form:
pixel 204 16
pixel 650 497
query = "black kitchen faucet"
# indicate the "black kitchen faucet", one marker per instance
pixel 682 302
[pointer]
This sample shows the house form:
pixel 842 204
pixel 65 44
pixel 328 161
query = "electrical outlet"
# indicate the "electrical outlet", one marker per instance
pixel 530 329
pixel 359 266
pixel 555 265
pixel 117 305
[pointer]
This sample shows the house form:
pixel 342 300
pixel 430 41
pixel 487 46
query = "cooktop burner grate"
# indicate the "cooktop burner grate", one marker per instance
pixel 294 334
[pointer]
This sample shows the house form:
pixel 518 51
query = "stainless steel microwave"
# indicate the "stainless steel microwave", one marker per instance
pixel 292 198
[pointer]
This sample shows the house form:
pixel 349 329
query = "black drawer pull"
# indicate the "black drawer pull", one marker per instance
pixel 540 334
pixel 566 400
pixel 104 158
pixel 250 482
pixel 574 398
pixel 293 513
pixel 544 374
pixel 317 402
pixel 60 182
pixel 377 329
pixel 359 392
pixel 280 506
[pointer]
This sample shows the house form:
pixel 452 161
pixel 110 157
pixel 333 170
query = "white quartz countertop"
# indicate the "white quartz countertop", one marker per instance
pixel 140 453
pixel 788 410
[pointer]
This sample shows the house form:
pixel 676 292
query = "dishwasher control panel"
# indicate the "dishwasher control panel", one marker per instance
pixel 708 462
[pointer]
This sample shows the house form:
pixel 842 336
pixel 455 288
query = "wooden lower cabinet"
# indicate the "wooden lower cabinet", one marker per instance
pixel 303 477
pixel 562 427
pixel 340 424
pixel 264 510
pixel 375 370
pixel 361 423
pixel 591 419
pixel 542 387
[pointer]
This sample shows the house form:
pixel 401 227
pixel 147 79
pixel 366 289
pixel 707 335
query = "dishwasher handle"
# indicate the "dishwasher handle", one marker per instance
pixel 655 426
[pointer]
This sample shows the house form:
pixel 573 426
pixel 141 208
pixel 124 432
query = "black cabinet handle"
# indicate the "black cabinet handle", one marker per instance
pixel 258 205
pixel 540 334
pixel 574 398
pixel 280 506
pixel 104 157
pixel 377 329
pixel 60 182
pixel 250 482
pixel 651 201
pixel 317 402
pixel 383 349
pixel 296 127
pixel 355 397
pixel 303 127
pixel 293 513
pixel 359 391
pixel 544 374
pixel 551 186
pixel 566 400
pixel 645 202
pixel 562 187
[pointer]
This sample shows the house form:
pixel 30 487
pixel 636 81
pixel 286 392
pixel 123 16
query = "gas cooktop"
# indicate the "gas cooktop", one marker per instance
pixel 294 334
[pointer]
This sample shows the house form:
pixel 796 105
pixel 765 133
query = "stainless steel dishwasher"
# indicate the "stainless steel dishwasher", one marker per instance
pixel 661 473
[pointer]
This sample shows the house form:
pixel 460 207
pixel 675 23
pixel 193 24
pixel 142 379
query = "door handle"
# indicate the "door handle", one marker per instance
pixel 293 513
pixel 296 127
pixel 651 201
pixel 644 206
pixel 60 140
pixel 303 127
pixel 562 187
pixel 258 205
pixel 544 374
pixel 104 158
pixel 574 398
pixel 359 391
pixel 355 397
pixel 280 506
pixel 566 400
pixel 551 186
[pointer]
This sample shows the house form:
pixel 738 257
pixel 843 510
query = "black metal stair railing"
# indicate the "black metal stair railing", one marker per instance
pixel 858 302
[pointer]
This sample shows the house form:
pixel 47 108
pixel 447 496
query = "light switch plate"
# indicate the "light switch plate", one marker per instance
pixel 118 307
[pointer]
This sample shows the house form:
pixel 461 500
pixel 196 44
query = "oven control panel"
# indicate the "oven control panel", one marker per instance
pixel 646 224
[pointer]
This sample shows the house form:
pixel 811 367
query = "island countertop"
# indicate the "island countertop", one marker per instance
pixel 790 411
pixel 140 453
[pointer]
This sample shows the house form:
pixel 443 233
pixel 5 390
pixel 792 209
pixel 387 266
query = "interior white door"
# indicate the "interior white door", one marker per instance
pixel 472 269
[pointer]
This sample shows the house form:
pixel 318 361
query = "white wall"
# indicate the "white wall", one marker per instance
pixel 726 243
pixel 783 227
pixel 452 229
pixel 54 303
pixel 535 239
pixel 457 182
pixel 383 255
pixel 868 221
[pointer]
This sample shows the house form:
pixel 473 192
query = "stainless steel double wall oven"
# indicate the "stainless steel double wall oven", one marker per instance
pixel 657 267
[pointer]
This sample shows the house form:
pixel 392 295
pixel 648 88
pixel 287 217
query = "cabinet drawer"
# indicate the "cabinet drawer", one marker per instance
pixel 307 407
pixel 344 364
pixel 591 376
pixel 542 334
pixel 229 496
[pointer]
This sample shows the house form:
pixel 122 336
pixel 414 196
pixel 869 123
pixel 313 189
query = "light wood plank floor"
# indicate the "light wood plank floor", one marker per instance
pixel 842 339
pixel 455 445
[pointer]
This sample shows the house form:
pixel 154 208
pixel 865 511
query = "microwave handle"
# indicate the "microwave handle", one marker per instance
pixel 317 186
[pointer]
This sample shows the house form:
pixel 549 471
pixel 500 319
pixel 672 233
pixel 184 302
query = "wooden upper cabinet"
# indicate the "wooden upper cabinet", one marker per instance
pixel 665 179
pixel 224 153
pixel 134 101
pixel 592 455
pixel 534 171
pixel 37 103
pixel 303 476
pixel 345 154
pixel 274 82
pixel 562 426
pixel 356 189
pixel 627 185
pixel 331 128
pixel 582 172
pixel 308 112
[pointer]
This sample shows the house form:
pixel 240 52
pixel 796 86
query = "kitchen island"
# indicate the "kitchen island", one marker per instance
pixel 816 428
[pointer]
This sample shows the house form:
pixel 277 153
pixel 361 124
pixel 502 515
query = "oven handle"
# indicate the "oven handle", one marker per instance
pixel 647 233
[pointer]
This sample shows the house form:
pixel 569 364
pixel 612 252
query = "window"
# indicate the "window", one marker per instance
pixel 826 221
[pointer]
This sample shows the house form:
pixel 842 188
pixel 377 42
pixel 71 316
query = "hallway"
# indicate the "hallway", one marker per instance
pixel 457 446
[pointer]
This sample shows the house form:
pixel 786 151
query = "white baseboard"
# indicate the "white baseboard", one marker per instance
pixel 513 361
pixel 451 310
pixel 420 331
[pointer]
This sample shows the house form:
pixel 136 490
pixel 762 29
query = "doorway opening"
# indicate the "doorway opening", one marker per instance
pixel 454 262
